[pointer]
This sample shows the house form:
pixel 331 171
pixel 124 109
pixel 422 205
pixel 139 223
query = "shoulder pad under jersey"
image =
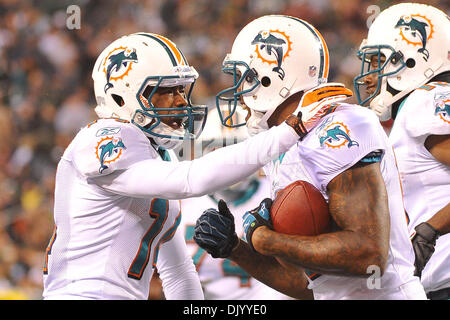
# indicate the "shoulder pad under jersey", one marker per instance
pixel 428 110
pixel 108 145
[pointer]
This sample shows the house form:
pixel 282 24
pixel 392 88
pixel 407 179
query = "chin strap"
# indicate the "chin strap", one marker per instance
pixel 382 103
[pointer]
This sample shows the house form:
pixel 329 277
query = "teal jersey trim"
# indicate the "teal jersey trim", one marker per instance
pixel 158 211
pixel 163 153
pixel 372 157
pixel 166 237
pixel 280 158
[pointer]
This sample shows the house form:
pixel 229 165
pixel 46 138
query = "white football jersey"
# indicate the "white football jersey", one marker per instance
pixel 105 245
pixel 223 279
pixel 339 141
pixel 426 181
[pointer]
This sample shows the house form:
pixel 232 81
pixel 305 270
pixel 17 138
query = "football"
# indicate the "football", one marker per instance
pixel 300 209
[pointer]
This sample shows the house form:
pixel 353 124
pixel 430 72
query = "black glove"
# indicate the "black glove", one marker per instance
pixel 423 243
pixel 297 124
pixel 255 218
pixel 215 231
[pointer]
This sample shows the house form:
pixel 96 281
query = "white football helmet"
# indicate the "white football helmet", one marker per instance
pixel 415 40
pixel 127 74
pixel 272 58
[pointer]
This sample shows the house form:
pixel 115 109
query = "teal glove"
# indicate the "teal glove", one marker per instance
pixel 256 218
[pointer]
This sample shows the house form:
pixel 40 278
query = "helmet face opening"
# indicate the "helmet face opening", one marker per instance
pixel 132 70
pixel 365 54
pixel 229 99
pixel 149 118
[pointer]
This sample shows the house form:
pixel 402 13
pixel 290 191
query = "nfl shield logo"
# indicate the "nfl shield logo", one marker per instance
pixel 312 71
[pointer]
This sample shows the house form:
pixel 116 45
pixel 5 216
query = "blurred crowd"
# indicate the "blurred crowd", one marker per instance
pixel 46 90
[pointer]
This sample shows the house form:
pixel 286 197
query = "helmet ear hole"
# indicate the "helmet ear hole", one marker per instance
pixel 118 99
pixel 410 63
pixel 265 81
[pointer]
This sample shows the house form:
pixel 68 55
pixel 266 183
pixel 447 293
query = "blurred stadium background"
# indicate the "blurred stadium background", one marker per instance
pixel 46 91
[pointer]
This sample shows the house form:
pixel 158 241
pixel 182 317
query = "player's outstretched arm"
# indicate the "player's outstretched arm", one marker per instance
pixel 214 171
pixel 359 206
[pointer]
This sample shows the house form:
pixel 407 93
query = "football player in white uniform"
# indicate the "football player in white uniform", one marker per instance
pixel 346 155
pixel 222 279
pixel 405 75
pixel 116 197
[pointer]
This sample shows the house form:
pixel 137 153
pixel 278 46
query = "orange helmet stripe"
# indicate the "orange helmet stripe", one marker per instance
pixel 324 55
pixel 179 56
pixel 327 56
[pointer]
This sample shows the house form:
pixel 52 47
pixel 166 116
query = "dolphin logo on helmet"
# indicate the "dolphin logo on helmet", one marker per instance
pixel 274 45
pixel 115 63
pixel 415 27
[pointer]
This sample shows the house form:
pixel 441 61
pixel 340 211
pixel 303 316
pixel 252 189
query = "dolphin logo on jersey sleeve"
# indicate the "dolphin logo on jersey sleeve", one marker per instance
pixel 109 150
pixel 442 106
pixel 336 135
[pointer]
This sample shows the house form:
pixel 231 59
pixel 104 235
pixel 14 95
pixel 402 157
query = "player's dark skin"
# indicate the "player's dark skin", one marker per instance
pixel 363 239
pixel 437 145
pixel 168 97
